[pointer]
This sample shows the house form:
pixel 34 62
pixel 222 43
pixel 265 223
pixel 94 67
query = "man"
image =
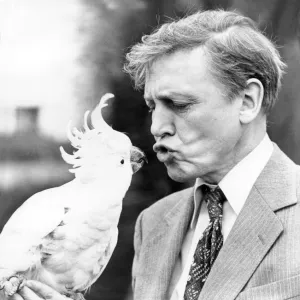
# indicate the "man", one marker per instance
pixel 210 81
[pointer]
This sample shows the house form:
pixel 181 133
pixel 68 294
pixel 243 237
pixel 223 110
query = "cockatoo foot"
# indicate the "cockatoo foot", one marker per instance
pixel 12 285
pixel 76 296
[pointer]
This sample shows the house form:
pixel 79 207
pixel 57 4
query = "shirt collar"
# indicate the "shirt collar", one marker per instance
pixel 197 199
pixel 238 182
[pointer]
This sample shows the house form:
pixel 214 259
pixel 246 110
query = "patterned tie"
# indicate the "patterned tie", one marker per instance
pixel 208 246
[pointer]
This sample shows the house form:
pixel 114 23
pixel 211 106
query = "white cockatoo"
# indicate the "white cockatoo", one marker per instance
pixel 65 236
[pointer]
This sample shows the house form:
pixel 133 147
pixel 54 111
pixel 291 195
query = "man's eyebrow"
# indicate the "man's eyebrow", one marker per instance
pixel 181 95
pixel 174 96
pixel 170 96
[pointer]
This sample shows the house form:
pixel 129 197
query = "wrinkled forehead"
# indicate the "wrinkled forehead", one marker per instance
pixel 182 65
pixel 181 72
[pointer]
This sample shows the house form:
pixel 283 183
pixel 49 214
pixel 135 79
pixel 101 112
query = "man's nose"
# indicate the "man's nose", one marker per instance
pixel 162 122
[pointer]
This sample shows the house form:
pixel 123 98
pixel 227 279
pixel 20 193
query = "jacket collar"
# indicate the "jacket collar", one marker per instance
pixel 277 183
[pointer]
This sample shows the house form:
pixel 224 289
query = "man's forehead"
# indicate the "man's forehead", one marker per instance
pixel 159 77
pixel 177 62
pixel 172 75
pixel 159 88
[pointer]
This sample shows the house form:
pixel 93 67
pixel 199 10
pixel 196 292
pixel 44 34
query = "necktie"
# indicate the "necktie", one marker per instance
pixel 208 246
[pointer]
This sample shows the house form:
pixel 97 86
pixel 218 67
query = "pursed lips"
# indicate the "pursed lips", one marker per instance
pixel 160 147
pixel 163 152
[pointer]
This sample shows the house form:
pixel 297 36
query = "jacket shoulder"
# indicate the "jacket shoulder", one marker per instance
pixel 162 206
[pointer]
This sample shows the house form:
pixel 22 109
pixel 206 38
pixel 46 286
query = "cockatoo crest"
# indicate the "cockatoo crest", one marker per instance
pixel 97 146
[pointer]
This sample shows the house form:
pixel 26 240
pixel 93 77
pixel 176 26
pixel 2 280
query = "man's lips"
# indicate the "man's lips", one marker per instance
pixel 164 157
pixel 158 147
pixel 164 153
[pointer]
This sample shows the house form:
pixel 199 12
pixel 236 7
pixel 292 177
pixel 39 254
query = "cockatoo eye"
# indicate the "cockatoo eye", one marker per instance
pixel 122 161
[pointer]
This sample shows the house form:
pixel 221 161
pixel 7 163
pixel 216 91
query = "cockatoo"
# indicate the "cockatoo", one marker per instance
pixel 65 236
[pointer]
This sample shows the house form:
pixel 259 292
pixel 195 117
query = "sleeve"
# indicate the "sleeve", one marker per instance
pixel 137 248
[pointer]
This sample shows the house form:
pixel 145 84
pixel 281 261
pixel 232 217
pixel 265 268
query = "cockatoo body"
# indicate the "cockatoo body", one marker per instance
pixel 65 236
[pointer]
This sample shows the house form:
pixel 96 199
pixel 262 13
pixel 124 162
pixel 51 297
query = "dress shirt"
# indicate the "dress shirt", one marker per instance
pixel 236 185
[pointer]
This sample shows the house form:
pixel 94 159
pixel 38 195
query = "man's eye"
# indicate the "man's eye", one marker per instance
pixel 182 107
pixel 176 105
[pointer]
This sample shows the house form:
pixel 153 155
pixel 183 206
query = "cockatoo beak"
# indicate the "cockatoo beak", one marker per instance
pixel 137 158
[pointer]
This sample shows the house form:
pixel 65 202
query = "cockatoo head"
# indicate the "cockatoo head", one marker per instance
pixel 101 151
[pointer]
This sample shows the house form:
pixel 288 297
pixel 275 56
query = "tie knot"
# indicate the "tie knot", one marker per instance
pixel 214 199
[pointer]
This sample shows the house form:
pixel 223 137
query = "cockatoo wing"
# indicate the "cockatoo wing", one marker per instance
pixel 30 223
pixel 106 255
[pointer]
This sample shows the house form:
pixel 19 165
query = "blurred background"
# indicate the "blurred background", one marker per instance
pixel 57 58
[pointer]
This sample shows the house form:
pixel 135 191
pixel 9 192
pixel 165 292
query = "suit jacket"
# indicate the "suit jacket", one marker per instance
pixel 260 258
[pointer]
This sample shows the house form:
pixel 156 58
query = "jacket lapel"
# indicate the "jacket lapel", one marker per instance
pixel 165 245
pixel 254 232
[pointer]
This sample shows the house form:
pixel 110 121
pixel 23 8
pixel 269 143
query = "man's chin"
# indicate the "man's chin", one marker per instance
pixel 179 175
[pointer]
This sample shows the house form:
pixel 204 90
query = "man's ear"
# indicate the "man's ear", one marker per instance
pixel 252 100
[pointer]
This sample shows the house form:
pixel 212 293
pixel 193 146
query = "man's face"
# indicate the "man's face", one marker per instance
pixel 196 128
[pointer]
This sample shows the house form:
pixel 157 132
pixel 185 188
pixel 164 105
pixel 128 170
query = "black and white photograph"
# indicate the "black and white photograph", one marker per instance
pixel 149 149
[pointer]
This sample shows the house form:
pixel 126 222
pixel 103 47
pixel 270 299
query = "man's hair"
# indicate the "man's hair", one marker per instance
pixel 237 51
